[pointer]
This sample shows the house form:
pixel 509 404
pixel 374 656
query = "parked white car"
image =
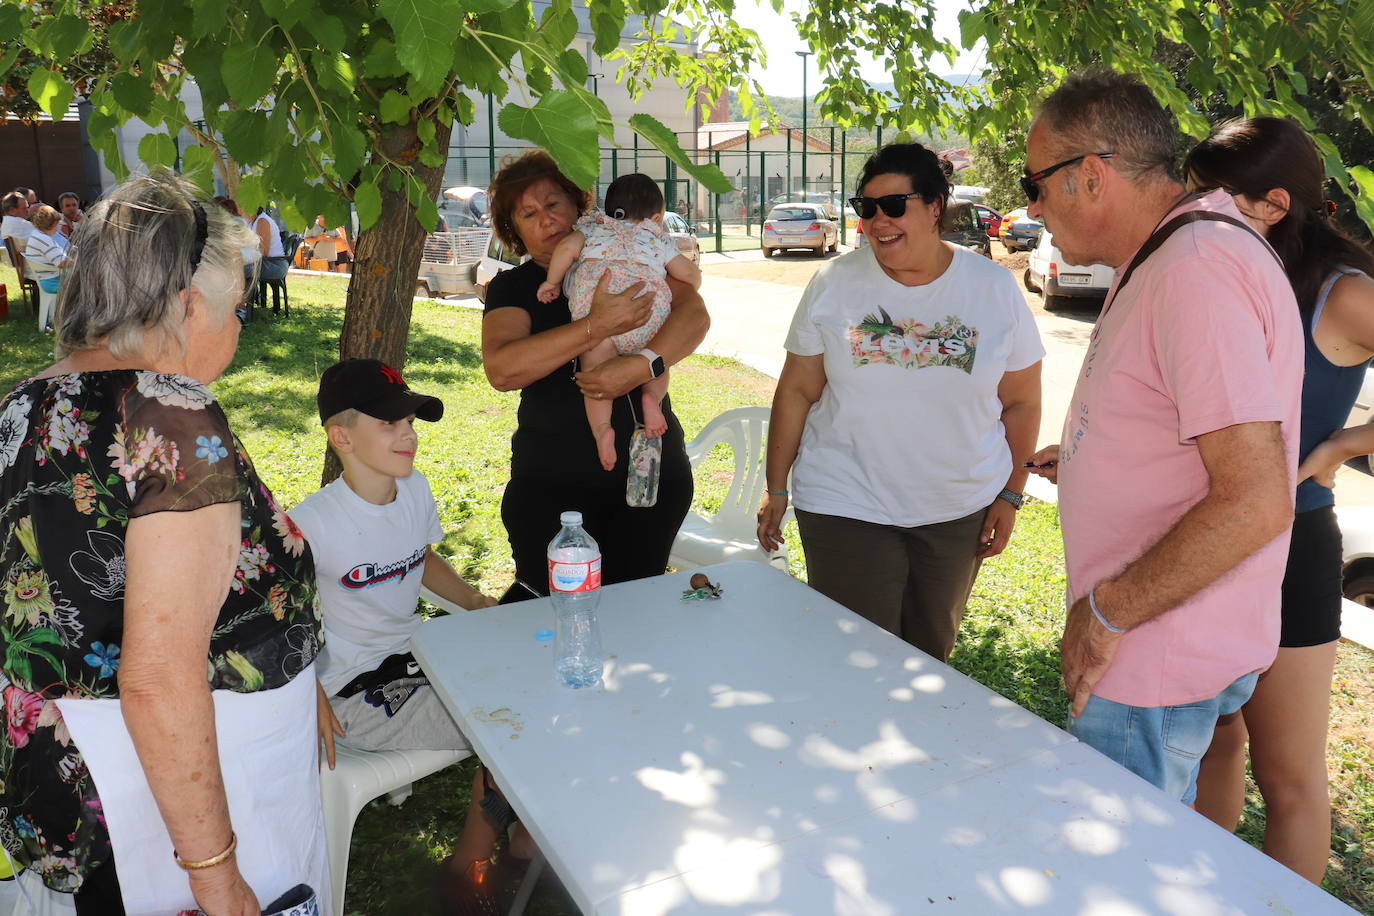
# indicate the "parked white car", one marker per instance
pixel 1357 549
pixel 1051 275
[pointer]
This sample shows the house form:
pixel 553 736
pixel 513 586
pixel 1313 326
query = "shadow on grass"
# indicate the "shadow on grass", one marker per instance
pixel 1026 674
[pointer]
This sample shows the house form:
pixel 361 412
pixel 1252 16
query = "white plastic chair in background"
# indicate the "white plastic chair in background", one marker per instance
pixel 730 534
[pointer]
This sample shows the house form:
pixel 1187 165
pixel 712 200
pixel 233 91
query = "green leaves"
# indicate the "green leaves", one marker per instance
pixel 63 36
pixel 133 93
pixel 653 130
pixel 423 34
pixel 368 199
pixel 249 70
pixel 608 20
pixel 558 24
pixel 51 92
pixel 1364 201
pixel 395 107
pixel 563 125
pixel 157 149
pixel 198 165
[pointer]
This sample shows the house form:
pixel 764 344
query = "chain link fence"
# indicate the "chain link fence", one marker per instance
pixel 764 170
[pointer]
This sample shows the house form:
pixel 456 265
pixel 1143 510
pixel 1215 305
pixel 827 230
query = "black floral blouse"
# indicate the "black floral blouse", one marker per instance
pixel 80 455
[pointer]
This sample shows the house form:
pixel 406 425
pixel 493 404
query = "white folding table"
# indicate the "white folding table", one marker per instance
pixel 773 753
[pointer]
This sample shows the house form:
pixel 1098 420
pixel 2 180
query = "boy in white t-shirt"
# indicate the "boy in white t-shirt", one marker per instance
pixel 371 532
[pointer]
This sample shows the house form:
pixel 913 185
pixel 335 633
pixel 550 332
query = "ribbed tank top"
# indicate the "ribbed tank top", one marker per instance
pixel 1328 394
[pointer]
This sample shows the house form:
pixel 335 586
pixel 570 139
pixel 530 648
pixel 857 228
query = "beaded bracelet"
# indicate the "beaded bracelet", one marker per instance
pixel 1092 603
pixel 213 860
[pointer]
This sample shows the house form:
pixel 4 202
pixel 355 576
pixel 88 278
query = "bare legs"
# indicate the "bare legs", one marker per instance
pixel 1286 722
pixel 599 412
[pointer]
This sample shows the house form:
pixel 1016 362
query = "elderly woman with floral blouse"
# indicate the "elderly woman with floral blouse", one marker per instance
pixel 159 613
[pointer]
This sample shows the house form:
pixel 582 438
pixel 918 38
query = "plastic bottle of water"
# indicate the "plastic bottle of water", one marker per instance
pixel 575 587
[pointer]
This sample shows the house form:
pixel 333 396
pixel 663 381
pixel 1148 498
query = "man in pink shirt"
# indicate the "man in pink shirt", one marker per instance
pixel 1177 464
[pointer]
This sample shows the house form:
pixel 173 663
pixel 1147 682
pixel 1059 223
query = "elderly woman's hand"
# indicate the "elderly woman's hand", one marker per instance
pixel 616 313
pixel 221 891
pixel 614 377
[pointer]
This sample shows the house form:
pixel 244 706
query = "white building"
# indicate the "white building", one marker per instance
pixel 767 166
pixel 471 146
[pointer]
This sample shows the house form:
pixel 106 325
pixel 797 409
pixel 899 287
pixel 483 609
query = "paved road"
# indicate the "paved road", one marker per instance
pixel 750 317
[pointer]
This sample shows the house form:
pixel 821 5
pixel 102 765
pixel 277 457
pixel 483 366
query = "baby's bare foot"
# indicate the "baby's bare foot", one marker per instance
pixel 655 423
pixel 605 447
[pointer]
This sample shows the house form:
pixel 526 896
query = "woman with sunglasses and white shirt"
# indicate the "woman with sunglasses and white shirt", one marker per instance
pixel 909 401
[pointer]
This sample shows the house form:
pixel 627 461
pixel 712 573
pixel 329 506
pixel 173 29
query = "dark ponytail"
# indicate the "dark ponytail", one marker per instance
pixel 1257 155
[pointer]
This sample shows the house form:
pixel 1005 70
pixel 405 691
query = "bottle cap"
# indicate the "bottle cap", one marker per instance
pixel 544 635
pixel 570 518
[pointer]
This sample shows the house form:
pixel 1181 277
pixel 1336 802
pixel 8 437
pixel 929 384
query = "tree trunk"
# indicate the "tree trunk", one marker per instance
pixel 386 265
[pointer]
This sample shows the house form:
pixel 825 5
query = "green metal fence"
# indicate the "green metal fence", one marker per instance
pixel 764 171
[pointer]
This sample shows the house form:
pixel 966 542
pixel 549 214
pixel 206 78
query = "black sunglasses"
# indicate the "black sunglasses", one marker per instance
pixel 894 205
pixel 1030 183
pixel 202 234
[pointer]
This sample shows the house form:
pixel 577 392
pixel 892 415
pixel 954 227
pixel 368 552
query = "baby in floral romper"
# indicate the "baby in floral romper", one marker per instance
pixel 632 245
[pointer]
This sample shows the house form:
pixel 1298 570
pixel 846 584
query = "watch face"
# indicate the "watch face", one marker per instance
pixel 656 366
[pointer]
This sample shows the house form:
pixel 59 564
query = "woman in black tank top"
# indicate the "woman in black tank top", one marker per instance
pixel 1272 169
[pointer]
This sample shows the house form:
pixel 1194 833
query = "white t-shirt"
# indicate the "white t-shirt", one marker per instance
pixel 908 429
pixel 16 227
pixel 274 249
pixel 369 561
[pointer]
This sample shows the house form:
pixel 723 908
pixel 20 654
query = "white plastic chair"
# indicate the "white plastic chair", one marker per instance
pixel 359 776
pixel 730 534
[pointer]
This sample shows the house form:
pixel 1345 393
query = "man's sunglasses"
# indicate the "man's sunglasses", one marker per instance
pixel 894 205
pixel 1031 183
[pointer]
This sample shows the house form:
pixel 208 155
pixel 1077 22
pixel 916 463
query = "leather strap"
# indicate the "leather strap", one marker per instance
pixel 1161 235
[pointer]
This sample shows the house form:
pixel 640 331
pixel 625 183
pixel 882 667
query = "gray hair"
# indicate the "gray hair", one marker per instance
pixel 1101 111
pixel 132 259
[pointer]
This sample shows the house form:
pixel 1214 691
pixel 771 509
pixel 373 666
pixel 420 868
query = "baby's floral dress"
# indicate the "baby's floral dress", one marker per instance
pixel 81 455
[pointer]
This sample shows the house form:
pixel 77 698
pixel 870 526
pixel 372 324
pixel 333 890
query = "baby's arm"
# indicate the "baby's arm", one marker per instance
pixel 679 268
pixel 564 254
pixel 442 579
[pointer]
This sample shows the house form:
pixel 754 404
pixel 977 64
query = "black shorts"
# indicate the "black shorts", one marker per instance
pixel 1312 581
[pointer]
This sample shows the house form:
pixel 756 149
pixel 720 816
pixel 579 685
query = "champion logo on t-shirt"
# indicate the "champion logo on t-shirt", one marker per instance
pixel 366 575
pixel 910 344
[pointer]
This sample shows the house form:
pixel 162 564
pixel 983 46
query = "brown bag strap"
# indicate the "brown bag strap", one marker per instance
pixel 1161 235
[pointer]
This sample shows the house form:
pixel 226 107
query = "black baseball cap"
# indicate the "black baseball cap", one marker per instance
pixel 372 387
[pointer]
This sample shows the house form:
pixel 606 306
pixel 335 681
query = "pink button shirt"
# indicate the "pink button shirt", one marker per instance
pixel 1205 335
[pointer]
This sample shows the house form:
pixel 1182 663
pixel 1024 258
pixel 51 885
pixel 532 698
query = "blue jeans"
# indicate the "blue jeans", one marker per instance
pixel 1161 744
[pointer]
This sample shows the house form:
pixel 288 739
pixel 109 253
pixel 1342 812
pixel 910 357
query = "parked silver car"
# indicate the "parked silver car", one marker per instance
pixel 800 225
pixel 683 236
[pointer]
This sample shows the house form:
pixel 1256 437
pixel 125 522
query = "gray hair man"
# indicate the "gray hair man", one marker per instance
pixel 1177 464
pixel 16 223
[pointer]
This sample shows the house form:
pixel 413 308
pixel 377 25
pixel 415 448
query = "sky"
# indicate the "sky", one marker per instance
pixel 782 76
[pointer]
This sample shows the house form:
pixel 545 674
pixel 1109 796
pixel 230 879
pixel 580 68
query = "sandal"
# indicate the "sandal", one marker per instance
pixel 475 891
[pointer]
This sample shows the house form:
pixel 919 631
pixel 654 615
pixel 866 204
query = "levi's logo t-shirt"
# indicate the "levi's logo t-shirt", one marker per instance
pixel 908 429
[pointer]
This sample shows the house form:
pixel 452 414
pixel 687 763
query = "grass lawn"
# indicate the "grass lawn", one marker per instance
pixel 1008 640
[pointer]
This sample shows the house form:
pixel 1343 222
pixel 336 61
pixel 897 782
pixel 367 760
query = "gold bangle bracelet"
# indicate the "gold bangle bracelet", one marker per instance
pixel 213 860
pixel 589 328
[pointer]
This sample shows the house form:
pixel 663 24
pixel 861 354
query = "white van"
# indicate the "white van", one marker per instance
pixel 1051 275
